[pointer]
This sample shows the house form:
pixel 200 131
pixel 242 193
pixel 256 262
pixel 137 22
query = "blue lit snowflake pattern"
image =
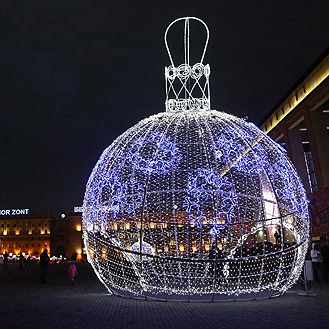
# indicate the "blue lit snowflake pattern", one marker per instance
pixel 154 154
pixel 205 189
pixel 238 150
pixel 119 196
pixel 225 147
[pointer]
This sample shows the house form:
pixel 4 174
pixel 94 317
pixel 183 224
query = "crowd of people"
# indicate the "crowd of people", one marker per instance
pixel 319 256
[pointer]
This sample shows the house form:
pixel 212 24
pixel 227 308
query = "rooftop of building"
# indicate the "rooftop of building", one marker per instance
pixel 324 57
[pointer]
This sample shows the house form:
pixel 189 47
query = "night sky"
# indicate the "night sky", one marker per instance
pixel 75 75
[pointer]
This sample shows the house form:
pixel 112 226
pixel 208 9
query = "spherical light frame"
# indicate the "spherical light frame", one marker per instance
pixel 177 185
pixel 195 204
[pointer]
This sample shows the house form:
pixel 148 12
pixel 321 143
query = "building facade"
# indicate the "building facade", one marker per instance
pixel 300 123
pixel 31 234
pixel 67 238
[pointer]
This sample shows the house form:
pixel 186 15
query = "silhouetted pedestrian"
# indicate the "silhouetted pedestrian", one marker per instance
pixel 216 266
pixel 277 236
pixel 44 264
pixel 74 257
pixel 5 260
pixel 315 256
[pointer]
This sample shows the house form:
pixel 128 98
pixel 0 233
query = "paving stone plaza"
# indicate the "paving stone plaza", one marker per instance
pixel 26 303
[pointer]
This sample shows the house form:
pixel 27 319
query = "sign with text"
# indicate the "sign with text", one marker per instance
pixel 78 209
pixel 14 212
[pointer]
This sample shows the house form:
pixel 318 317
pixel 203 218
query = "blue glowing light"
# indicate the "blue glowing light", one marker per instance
pixel 204 188
pixel 155 154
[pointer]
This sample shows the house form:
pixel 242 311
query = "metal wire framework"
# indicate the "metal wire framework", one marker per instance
pixel 195 204
pixel 187 86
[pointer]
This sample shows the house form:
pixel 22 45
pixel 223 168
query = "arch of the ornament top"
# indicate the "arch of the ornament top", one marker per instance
pixel 186 24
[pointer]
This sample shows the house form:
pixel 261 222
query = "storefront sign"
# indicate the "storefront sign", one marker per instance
pixel 14 212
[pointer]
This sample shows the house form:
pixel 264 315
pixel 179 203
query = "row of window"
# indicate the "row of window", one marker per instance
pixel 30 238
pixel 26 224
pixel 12 232
pixel 2 246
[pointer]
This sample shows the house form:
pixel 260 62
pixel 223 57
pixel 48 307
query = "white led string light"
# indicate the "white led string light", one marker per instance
pixel 184 205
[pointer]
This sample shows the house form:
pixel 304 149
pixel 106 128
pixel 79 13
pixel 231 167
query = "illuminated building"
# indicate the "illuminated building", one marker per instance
pixel 185 204
pixel 67 236
pixel 300 123
pixel 29 234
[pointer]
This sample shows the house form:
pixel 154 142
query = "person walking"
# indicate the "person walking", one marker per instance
pixel 44 264
pixel 72 272
pixel 315 256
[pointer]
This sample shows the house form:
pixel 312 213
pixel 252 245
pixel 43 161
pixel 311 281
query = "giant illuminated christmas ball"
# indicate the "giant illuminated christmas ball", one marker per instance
pixel 194 203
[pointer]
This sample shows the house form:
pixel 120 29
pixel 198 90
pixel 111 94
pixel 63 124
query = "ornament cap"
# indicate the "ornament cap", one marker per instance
pixel 187 85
